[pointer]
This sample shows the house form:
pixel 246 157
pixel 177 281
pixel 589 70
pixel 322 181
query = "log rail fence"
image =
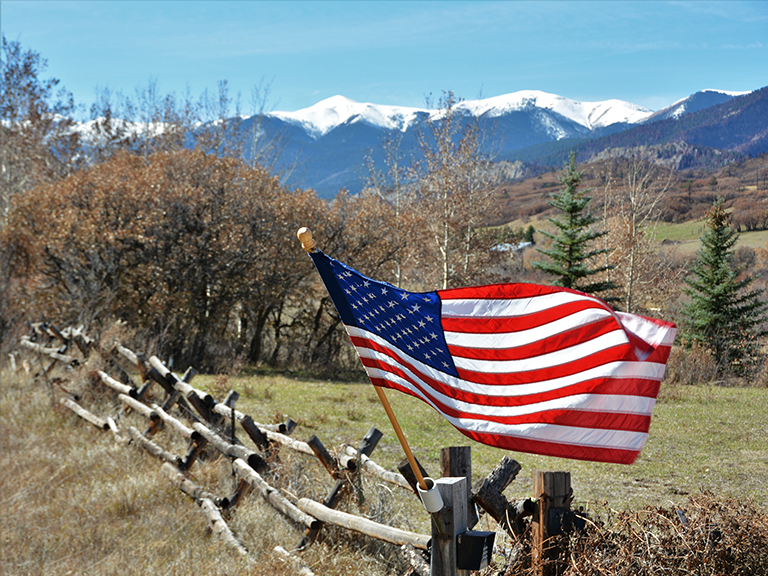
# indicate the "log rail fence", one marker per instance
pixel 210 426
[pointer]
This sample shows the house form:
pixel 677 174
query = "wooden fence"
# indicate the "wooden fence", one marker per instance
pixel 207 424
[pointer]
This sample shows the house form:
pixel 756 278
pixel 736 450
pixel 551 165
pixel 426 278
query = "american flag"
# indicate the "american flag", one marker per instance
pixel 523 367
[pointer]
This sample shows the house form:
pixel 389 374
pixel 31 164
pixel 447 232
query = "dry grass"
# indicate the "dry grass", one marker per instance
pixel 75 501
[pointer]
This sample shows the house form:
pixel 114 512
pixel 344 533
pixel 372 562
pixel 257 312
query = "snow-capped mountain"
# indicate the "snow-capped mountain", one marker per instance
pixel 694 103
pixel 323 117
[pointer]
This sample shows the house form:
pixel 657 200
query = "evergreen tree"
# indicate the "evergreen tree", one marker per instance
pixel 571 254
pixel 723 314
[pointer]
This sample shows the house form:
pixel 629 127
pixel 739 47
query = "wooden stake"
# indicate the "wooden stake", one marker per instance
pixel 304 234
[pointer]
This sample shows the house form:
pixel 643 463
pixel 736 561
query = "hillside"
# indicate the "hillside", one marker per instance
pixel 744 185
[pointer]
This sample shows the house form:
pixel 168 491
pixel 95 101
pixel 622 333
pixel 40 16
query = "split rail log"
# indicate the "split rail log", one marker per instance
pixel 328 461
pixel 219 526
pixel 118 387
pixel 273 496
pixel 177 425
pixel 362 525
pixel 27 343
pixel 487 494
pixel 152 448
pixel 203 403
pixel 119 438
pixel 251 428
pixel 377 470
pixel 155 423
pixel 415 560
pixel 232 450
pixel 298 567
pixel 190 488
pixel 84 414
pixel 332 499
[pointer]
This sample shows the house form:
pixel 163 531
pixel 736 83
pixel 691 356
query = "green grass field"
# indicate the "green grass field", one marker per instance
pixel 702 438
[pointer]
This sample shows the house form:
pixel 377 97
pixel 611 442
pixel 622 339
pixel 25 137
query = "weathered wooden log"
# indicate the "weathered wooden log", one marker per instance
pixel 297 566
pixel 362 525
pixel 85 414
pixel 152 448
pixel 415 560
pixel 195 447
pixel 255 434
pixel 189 487
pixel 290 442
pixel 27 343
pixel 232 450
pixel 241 491
pixel 504 473
pixel 173 422
pixel 377 470
pixel 487 494
pixel 219 526
pixel 201 402
pixel 115 385
pixel 404 467
pixel 331 501
pixel 139 407
pixel 116 434
pixel 328 461
pixel 272 495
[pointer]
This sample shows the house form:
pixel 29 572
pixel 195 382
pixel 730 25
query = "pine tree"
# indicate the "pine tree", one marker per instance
pixel 571 254
pixel 723 314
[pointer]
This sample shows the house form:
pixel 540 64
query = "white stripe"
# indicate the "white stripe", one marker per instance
pixel 505 307
pixel 603 403
pixel 523 337
pixel 616 370
pixel 555 358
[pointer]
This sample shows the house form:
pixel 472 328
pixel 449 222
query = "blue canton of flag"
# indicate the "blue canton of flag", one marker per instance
pixel 408 320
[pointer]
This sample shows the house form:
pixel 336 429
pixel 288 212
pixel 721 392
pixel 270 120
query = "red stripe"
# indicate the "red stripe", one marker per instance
pixel 554 343
pixel 497 325
pixel 506 292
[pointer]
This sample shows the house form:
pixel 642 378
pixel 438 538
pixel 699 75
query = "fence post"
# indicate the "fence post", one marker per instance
pixel 450 522
pixel 455 462
pixel 552 491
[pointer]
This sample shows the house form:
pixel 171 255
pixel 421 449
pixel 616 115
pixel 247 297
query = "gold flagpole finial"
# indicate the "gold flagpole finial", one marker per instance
pixel 304 234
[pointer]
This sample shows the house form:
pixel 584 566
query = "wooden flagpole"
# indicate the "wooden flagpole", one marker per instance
pixel 309 244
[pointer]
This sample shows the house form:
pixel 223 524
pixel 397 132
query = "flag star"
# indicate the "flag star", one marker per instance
pixel 348 291
pixel 353 287
pixel 410 348
pixel 445 364
pixel 417 343
pixel 415 309
pixel 428 318
pixel 365 299
pixel 392 303
pixel 422 323
pixel 366 283
pixel 427 299
pixel 434 336
pixel 383 290
pixel 404 296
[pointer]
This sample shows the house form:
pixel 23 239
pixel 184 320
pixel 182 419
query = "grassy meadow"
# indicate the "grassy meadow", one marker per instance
pixel 75 501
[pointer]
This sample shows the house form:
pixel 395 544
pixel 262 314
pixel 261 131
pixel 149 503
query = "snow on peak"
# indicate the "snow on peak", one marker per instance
pixel 324 116
pixel 589 114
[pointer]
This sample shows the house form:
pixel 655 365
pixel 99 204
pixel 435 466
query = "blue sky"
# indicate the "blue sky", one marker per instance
pixel 649 53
